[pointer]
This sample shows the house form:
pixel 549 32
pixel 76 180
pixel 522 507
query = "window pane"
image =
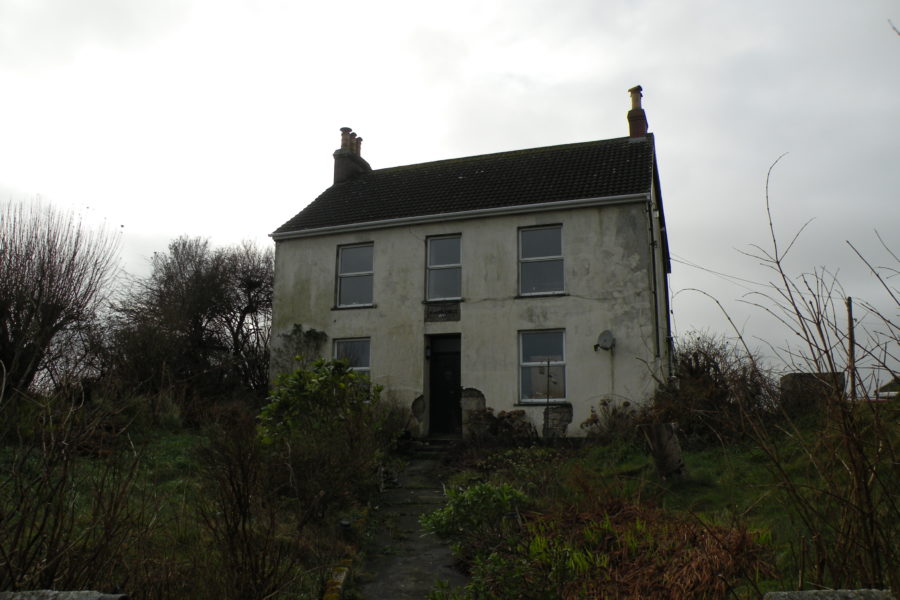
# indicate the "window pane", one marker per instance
pixel 356 259
pixel 444 283
pixel 541 242
pixel 542 276
pixel 536 384
pixel 540 346
pixel 443 251
pixel 355 352
pixel 355 290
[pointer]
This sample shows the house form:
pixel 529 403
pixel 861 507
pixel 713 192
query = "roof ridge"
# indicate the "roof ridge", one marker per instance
pixel 536 149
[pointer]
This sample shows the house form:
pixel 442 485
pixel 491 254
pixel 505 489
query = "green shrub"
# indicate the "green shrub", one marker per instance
pixel 327 427
pixel 476 516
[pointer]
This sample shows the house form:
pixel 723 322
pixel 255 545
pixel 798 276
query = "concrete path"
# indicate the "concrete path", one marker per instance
pixel 403 561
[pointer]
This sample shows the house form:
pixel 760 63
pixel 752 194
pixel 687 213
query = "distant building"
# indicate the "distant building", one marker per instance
pixel 889 391
pixel 528 277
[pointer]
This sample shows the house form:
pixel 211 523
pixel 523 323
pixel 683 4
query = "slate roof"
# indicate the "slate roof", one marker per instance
pixel 596 169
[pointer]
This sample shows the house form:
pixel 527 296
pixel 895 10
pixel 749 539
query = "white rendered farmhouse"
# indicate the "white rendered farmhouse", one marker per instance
pixel 511 281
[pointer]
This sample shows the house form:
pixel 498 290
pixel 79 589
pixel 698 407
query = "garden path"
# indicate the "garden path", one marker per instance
pixel 405 562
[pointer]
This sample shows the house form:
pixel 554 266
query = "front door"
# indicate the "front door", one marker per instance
pixel 444 388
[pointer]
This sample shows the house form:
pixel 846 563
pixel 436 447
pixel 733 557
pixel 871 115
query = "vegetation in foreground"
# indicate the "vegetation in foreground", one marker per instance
pixel 245 507
pixel 596 521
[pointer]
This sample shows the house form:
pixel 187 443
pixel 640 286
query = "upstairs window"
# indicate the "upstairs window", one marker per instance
pixel 355 351
pixel 444 278
pixel 541 261
pixel 355 275
pixel 542 366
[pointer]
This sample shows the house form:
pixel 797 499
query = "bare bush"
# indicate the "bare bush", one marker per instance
pixel 719 386
pixel 257 537
pixel 64 526
pixel 845 498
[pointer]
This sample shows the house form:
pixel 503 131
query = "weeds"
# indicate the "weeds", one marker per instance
pixel 256 533
pixel 590 544
pixel 845 502
pixel 63 525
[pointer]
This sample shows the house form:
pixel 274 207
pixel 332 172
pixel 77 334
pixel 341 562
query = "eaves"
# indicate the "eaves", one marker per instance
pixel 462 215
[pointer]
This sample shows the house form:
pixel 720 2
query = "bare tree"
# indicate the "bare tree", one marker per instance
pixel 246 320
pixel 55 273
pixel 199 322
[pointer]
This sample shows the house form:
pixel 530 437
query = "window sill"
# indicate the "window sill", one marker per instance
pixel 354 306
pixel 541 403
pixel 541 295
pixel 443 301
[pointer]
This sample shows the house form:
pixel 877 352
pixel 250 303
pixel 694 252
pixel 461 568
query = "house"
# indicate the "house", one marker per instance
pixel 889 391
pixel 514 280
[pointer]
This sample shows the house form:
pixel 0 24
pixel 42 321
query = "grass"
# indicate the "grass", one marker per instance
pixel 167 551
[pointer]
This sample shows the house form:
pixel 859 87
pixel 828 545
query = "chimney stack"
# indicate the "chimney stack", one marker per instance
pixel 347 160
pixel 637 119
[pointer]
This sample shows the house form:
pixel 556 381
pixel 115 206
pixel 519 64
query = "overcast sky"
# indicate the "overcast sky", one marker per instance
pixel 218 118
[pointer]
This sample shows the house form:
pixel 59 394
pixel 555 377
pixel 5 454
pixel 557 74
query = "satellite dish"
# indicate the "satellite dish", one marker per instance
pixel 605 341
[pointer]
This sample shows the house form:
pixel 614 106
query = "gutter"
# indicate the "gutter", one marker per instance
pixel 653 276
pixel 462 215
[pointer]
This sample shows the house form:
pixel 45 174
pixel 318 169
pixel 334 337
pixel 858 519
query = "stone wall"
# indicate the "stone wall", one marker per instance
pixel 55 595
pixel 831 595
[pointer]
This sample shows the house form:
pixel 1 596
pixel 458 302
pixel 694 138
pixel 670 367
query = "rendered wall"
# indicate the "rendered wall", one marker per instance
pixel 609 285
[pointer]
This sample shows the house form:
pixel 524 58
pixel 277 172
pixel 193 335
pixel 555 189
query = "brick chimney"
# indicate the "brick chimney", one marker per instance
pixel 348 163
pixel 637 119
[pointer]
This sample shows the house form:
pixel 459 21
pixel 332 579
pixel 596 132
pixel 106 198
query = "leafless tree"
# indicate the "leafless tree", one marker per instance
pixel 247 318
pixel 55 272
pixel 199 322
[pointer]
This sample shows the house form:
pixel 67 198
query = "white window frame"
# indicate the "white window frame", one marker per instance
pixel 363 369
pixel 341 276
pixel 541 365
pixel 536 259
pixel 430 268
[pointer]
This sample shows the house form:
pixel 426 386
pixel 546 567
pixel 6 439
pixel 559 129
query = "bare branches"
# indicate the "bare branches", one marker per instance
pixel 54 274
pixel 774 237
pixel 849 443
pixel 199 322
pixel 875 271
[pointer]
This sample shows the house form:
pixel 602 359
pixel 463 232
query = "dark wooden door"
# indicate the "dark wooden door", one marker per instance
pixel 444 392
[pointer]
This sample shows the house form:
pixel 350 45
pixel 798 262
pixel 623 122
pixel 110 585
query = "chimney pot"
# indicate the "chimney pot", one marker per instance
pixel 637 118
pixel 636 96
pixel 347 161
